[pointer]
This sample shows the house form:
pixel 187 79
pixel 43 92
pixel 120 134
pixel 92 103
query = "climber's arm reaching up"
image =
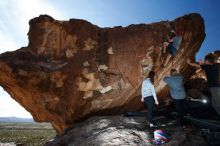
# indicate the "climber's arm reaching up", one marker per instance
pixel 193 64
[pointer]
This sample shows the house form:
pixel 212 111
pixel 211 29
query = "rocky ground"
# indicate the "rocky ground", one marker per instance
pixel 119 130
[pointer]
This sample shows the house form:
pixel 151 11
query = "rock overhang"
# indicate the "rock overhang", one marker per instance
pixel 73 69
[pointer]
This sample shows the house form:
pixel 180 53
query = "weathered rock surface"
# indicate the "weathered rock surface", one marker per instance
pixel 72 70
pixel 117 130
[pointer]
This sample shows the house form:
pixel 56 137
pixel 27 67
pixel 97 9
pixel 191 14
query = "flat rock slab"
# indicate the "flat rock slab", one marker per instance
pixel 118 130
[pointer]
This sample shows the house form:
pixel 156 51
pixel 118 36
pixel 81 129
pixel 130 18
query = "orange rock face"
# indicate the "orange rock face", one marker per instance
pixel 71 70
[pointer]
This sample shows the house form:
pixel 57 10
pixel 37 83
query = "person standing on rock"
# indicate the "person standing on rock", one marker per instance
pixel 178 93
pixel 149 96
pixel 212 73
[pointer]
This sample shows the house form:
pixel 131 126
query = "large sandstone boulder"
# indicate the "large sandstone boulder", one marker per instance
pixel 73 69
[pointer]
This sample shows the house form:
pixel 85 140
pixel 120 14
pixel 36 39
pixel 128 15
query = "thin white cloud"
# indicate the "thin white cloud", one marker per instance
pixel 15 15
pixel 14 18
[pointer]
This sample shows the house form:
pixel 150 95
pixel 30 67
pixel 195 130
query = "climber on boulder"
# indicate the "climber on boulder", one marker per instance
pixel 149 96
pixel 171 45
pixel 178 93
pixel 212 73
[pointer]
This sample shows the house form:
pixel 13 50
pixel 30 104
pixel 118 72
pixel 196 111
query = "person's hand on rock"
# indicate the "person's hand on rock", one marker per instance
pixel 200 61
pixel 188 61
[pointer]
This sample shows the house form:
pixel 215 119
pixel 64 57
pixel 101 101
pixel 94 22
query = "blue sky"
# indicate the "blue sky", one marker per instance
pixel 15 15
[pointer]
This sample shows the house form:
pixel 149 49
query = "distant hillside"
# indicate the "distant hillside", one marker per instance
pixel 15 119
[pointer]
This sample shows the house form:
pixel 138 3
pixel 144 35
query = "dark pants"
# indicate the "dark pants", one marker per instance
pixel 149 103
pixel 172 50
pixel 180 105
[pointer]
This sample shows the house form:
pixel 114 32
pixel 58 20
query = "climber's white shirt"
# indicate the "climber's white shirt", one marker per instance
pixel 148 89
